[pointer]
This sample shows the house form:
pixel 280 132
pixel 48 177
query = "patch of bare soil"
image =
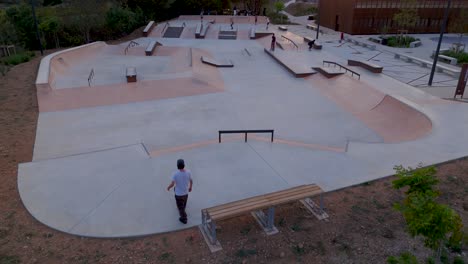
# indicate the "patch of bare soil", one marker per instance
pixel 362 228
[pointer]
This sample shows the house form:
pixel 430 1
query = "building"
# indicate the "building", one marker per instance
pixel 372 16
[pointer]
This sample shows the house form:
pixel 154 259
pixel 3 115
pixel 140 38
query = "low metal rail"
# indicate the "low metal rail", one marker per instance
pixel 220 132
pixel 131 45
pixel 290 40
pixel 90 77
pixel 343 67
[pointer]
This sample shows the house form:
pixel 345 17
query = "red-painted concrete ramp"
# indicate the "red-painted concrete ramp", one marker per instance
pixel 392 119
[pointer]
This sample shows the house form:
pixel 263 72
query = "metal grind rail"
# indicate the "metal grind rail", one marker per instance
pixel 343 67
pixel 220 132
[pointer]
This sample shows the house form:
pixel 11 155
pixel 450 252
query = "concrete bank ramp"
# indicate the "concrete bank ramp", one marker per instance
pixel 392 119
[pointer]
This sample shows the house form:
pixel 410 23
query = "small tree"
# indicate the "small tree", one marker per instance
pixel 459 25
pixel 279 6
pixel 437 223
pixel 408 15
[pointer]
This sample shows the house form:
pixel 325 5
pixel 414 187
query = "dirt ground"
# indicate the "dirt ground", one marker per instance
pixel 362 228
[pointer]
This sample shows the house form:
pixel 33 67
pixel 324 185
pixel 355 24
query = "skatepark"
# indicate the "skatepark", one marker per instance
pixel 106 148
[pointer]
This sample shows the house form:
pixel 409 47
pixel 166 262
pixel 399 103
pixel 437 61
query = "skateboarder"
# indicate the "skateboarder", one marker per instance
pixel 182 180
pixel 273 42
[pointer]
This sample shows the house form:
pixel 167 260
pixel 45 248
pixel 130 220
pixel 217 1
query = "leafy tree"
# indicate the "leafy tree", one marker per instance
pixel 120 19
pixel 408 15
pixel 86 15
pixel 21 18
pixel 436 223
pixel 50 27
pixel 279 6
pixel 51 2
pixel 7 30
pixel 459 25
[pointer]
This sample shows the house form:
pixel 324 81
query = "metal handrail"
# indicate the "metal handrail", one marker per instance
pixel 131 45
pixel 90 77
pixel 245 132
pixel 297 47
pixel 343 67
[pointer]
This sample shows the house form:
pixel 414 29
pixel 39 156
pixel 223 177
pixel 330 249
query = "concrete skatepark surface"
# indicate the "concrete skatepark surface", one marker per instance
pixel 104 154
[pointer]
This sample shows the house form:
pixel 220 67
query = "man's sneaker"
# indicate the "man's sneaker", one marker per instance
pixel 183 221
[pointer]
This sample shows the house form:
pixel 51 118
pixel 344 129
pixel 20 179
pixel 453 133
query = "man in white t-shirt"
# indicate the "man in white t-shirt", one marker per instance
pixel 182 180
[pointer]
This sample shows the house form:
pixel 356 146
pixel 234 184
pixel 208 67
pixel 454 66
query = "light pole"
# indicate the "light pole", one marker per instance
pixel 436 54
pixel 37 29
pixel 317 19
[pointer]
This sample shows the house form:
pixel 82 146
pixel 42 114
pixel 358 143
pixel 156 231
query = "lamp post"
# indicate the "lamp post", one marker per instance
pixel 317 19
pixel 436 54
pixel 37 29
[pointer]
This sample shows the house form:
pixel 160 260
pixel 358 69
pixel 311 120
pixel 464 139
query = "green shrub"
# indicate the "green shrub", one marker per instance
pixel 277 18
pixel 18 58
pixel 462 57
pixel 400 42
pixel 458 260
pixel 405 258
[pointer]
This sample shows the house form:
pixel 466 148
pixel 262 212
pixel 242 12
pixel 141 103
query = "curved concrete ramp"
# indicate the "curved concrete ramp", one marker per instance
pixel 392 119
pixel 396 121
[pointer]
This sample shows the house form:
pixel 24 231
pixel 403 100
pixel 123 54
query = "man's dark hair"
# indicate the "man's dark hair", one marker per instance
pixel 180 164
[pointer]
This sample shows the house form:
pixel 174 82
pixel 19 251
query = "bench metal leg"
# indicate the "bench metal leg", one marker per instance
pixel 266 221
pixel 208 230
pixel 316 210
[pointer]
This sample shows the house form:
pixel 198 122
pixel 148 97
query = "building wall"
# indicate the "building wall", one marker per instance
pixel 371 16
pixel 330 10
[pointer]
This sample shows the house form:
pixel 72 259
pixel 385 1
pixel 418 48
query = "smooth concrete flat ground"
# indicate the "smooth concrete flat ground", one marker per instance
pixel 102 171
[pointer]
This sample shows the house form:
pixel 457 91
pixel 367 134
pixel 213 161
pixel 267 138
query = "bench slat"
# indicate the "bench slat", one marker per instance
pixel 248 200
pixel 269 203
pixel 262 201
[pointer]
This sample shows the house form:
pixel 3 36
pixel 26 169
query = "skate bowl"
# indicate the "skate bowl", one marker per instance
pixel 63 82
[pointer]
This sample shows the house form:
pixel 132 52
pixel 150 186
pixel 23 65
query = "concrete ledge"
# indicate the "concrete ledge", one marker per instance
pixel 219 64
pixel 298 71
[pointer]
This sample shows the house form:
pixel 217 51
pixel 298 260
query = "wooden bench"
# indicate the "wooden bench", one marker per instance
pixel 148 28
pixel 308 39
pixel 131 74
pixel 256 205
pixel 310 26
pixel 448 59
pixel 150 48
pixel 376 40
pixel 366 65
pixel 283 28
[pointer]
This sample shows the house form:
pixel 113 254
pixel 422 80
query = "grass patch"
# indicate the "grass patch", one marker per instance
pixel 5 259
pixel 462 57
pixel 243 253
pixel 298 250
pixel 18 58
pixel 166 256
pixel 245 230
pixel 296 227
